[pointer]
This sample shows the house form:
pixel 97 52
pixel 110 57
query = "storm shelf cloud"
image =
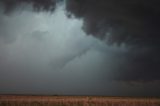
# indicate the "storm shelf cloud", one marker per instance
pixel 73 46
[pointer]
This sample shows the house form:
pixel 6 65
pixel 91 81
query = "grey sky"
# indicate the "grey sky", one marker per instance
pixel 49 53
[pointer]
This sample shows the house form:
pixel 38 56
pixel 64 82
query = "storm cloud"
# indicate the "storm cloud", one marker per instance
pixel 38 5
pixel 128 20
pixel 133 22
pixel 49 53
pixel 73 46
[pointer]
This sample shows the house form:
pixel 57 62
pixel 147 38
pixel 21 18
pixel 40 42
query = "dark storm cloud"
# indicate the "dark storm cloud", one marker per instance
pixel 48 5
pixel 139 65
pixel 35 43
pixel 129 19
pixel 134 22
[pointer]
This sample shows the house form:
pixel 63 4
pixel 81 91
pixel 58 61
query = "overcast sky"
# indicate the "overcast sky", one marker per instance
pixel 57 47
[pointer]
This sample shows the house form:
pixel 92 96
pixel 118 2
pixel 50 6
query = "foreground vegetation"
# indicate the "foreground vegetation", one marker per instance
pixel 76 101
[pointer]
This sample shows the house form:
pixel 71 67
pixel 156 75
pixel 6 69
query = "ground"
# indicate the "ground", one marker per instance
pixel 17 100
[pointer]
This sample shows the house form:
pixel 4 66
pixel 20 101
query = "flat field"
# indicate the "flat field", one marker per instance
pixel 12 100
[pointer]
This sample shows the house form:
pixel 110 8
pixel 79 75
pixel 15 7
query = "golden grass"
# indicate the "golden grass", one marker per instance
pixel 76 101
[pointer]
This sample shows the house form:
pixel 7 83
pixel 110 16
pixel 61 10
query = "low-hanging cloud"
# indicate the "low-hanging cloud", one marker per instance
pixel 38 5
pixel 133 22
pixel 67 46
pixel 51 53
pixel 130 20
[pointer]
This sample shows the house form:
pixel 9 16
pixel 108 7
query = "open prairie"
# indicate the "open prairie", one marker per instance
pixel 10 100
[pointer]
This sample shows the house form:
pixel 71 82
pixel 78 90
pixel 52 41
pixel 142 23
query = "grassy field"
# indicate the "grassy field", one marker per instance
pixel 10 100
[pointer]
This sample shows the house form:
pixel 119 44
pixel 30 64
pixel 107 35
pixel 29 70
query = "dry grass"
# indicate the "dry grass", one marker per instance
pixel 76 101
